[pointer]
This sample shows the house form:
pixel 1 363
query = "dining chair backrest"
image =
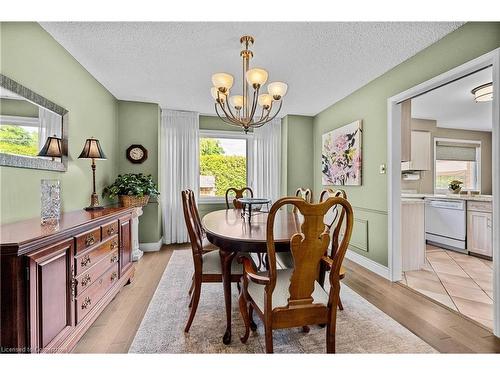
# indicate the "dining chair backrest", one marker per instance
pixel 305 194
pixel 308 247
pixel 193 225
pixel 238 193
pixel 334 218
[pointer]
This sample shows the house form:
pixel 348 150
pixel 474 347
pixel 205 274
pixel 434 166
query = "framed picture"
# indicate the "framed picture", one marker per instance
pixel 341 155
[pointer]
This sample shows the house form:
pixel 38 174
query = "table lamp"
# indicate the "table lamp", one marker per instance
pixel 52 148
pixel 92 150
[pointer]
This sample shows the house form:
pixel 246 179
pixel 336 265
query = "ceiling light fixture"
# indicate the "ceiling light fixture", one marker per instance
pixel 239 110
pixel 483 93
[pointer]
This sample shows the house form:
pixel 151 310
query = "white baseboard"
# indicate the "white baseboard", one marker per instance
pixel 368 264
pixel 151 246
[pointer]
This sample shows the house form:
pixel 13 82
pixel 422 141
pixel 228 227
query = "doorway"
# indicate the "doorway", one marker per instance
pixel 395 154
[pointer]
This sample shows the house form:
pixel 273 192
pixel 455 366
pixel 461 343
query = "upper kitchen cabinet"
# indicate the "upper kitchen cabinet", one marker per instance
pixel 406 131
pixel 420 152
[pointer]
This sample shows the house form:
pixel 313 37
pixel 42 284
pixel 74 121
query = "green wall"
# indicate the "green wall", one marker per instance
pixel 30 56
pixel 296 155
pixel 369 104
pixel 139 123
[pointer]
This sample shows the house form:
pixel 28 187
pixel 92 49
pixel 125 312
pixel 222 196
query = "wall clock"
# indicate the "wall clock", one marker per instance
pixel 137 154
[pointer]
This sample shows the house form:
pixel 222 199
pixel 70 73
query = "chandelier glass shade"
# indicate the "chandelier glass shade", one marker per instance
pixel 249 110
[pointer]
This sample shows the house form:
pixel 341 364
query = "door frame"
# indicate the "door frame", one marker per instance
pixel 394 167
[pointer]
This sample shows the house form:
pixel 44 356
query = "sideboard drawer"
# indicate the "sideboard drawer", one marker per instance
pixel 92 295
pixel 84 261
pixel 109 229
pixel 85 279
pixel 87 239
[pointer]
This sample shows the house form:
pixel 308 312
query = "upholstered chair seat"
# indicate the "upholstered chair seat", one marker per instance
pixel 212 264
pixel 281 292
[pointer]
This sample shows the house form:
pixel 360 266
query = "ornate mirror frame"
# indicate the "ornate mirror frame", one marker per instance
pixel 21 161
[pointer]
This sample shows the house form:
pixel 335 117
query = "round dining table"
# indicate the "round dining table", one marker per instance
pixel 232 233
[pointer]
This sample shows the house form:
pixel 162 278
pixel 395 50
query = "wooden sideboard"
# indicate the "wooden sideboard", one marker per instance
pixel 55 281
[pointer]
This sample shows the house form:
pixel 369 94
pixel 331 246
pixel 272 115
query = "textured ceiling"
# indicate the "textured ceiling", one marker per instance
pixel 453 106
pixel 171 63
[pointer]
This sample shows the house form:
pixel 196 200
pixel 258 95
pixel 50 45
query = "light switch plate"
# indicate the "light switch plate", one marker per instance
pixel 382 169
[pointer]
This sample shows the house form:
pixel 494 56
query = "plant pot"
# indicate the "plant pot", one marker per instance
pixel 133 200
pixel 456 191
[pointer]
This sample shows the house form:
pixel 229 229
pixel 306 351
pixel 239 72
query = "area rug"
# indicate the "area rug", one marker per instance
pixel 361 327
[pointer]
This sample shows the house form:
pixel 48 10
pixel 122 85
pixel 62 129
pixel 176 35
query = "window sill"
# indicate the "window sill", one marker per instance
pixel 212 201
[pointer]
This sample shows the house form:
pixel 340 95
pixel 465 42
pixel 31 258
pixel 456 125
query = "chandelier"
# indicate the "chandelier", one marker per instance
pixel 241 110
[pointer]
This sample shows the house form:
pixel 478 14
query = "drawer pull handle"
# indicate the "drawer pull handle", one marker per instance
pixel 111 230
pixel 86 303
pixel 86 280
pixel 114 244
pixel 85 261
pixel 114 258
pixel 114 276
pixel 89 240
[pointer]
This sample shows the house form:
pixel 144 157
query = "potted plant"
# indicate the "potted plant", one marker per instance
pixel 132 189
pixel 454 186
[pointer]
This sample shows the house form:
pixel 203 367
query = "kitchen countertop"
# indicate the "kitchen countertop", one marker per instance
pixel 481 198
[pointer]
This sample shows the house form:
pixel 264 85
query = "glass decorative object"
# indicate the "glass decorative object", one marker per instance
pixel 50 201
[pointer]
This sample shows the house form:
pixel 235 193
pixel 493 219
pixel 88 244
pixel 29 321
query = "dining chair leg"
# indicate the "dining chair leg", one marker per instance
pixel 330 337
pixel 194 304
pixel 244 314
pixel 341 307
pixel 269 338
pixel 253 326
pixel 192 286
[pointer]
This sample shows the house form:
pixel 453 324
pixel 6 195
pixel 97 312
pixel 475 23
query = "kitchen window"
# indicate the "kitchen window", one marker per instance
pixel 457 160
pixel 225 161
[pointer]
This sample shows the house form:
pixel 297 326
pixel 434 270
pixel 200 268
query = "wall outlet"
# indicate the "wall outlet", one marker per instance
pixel 382 169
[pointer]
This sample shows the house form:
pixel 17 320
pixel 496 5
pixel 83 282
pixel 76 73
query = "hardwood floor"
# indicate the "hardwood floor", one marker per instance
pixel 445 330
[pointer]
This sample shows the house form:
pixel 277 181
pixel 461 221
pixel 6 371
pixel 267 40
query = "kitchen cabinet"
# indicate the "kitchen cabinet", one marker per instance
pixel 412 234
pixel 406 130
pixel 479 228
pixel 420 159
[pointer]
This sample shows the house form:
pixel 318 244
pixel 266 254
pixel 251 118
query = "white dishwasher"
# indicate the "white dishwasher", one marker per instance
pixel 445 223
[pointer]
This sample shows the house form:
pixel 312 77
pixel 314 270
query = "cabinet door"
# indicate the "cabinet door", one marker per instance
pixel 479 233
pixel 125 224
pixel 420 150
pixel 406 146
pixel 51 291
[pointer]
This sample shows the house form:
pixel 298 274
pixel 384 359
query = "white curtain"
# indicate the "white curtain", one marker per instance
pixel 267 160
pixel 179 169
pixel 50 125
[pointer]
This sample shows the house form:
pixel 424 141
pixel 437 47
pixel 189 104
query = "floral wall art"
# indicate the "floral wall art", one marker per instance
pixel 341 155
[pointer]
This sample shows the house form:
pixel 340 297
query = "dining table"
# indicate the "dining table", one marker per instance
pixel 232 233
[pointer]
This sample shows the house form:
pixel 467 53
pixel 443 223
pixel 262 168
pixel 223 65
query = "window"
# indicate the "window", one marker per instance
pixel 457 160
pixel 224 163
pixel 19 135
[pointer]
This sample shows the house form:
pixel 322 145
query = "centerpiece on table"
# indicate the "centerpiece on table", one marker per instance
pixel 132 189
pixel 454 186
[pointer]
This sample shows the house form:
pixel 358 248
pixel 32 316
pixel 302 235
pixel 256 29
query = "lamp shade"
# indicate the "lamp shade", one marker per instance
pixel 277 89
pixel 256 76
pixel 92 150
pixel 51 148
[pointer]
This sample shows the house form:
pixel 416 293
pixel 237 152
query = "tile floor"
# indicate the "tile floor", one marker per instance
pixel 461 282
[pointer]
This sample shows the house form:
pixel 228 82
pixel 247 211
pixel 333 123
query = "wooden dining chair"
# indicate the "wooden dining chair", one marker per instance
pixel 288 298
pixel 239 193
pixel 285 260
pixel 207 264
pixel 334 219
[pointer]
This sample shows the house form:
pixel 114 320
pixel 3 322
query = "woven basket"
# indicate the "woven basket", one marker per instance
pixel 133 201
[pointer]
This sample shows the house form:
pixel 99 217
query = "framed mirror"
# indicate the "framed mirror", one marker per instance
pixel 26 121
